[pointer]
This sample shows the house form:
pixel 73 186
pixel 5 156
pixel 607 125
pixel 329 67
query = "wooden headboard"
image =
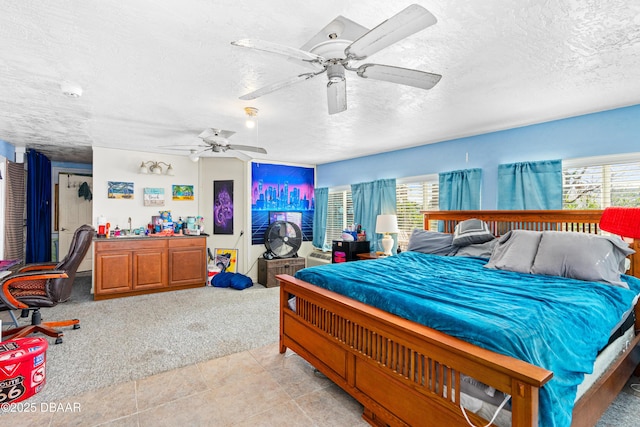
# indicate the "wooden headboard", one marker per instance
pixel 500 222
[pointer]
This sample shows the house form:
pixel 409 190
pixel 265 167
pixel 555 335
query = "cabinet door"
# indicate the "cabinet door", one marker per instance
pixel 149 269
pixel 187 266
pixel 112 272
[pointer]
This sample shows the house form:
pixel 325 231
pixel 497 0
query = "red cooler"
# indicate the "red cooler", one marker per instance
pixel 22 368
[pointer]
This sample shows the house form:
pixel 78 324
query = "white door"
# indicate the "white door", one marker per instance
pixel 73 211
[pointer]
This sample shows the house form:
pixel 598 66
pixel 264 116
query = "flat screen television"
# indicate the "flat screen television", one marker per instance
pixel 290 216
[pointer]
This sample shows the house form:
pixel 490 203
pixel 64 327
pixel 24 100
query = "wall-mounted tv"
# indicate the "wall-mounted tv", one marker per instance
pixel 290 216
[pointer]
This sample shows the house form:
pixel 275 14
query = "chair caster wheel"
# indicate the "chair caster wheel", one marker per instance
pixel 76 326
pixel 58 340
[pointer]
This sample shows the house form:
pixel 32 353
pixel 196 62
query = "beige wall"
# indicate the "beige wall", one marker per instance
pixel 118 165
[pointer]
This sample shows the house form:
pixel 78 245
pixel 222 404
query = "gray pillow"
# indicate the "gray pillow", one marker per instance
pixel 480 250
pixel 431 242
pixel 582 256
pixel 515 251
pixel 471 232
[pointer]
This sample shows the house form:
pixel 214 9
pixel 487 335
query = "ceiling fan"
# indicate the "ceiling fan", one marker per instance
pixel 334 50
pixel 217 141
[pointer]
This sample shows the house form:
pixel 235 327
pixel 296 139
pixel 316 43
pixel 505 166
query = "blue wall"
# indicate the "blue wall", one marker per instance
pixel 7 150
pixel 609 132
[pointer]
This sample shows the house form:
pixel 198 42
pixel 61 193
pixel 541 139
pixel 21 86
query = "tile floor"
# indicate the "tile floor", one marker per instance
pixel 254 388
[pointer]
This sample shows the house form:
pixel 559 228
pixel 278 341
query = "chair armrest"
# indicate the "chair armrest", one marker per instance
pixel 37 266
pixel 9 300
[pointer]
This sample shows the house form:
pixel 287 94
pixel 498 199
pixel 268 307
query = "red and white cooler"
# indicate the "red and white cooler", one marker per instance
pixel 22 368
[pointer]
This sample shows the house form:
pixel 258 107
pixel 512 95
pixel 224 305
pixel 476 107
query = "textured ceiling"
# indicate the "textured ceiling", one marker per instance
pixel 156 73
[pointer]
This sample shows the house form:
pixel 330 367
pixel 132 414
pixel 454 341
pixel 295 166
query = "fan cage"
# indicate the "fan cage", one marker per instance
pixel 283 239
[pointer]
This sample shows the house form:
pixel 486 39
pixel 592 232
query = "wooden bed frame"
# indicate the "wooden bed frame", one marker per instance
pixel 383 361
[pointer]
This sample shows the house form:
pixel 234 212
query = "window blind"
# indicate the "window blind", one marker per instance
pixel 597 186
pixel 339 215
pixel 411 198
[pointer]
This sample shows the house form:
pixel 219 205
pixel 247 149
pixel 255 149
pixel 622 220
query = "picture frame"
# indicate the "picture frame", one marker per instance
pixel 223 207
pixel 182 192
pixel 119 190
pixel 153 196
pixel 226 260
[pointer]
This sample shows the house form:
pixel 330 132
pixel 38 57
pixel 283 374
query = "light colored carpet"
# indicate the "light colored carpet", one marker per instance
pixel 130 338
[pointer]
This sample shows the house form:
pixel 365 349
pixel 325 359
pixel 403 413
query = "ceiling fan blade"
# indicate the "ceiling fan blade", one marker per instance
pixel 405 23
pixel 247 148
pixel 337 96
pixel 279 49
pixel 403 76
pixel 277 85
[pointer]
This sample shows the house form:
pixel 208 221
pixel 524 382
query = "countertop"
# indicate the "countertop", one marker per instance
pixel 149 237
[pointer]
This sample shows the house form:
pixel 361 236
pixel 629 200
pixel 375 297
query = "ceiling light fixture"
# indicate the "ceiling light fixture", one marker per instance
pixel 155 168
pixel 70 89
pixel 252 117
pixel 193 156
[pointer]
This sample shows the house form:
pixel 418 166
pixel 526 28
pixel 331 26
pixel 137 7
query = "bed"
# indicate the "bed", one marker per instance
pixel 400 370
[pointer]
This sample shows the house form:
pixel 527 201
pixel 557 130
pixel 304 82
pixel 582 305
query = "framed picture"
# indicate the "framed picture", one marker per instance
pixel 154 196
pixel 182 192
pixel 119 190
pixel 223 207
pixel 226 260
pixel 278 189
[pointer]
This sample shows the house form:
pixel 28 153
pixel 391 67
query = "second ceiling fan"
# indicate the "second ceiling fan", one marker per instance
pixel 336 53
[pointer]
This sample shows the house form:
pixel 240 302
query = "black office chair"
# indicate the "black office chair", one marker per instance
pixel 44 285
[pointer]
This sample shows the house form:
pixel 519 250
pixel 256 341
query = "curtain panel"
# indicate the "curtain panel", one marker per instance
pixel 459 190
pixel 371 199
pixel 530 185
pixel 38 247
pixel 321 207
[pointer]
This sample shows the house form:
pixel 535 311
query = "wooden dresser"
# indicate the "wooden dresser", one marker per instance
pixel 141 265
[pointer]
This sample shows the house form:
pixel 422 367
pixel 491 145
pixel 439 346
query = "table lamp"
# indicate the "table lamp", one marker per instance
pixel 624 222
pixel 387 224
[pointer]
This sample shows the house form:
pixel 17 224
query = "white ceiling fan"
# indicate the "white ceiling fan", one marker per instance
pixel 217 141
pixel 343 42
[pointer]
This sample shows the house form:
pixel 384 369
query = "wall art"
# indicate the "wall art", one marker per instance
pixel 119 190
pixel 223 207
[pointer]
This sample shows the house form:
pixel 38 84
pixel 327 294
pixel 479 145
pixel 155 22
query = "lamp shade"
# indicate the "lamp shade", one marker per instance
pixel 624 222
pixel 387 224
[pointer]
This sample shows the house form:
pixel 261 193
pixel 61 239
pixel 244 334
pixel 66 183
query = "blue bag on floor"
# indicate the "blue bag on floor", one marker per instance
pixel 231 280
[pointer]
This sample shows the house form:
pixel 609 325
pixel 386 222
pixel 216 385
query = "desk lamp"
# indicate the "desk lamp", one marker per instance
pixel 387 224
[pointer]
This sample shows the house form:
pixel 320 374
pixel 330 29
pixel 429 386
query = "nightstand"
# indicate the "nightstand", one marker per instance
pixel 369 255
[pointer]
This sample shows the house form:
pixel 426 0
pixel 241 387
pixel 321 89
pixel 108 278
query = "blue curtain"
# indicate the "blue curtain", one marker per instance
pixel 530 185
pixel 371 199
pixel 38 245
pixel 459 190
pixel 321 206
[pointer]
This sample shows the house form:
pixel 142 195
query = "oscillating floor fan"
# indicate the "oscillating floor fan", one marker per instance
pixel 282 240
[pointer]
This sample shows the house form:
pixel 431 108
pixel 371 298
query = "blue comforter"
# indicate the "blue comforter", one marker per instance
pixel 556 323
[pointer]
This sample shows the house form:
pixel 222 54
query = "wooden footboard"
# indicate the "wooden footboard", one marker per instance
pixel 399 370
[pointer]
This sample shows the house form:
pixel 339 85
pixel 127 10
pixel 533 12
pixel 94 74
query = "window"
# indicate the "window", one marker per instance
pixel 412 196
pixel 339 214
pixel 599 182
